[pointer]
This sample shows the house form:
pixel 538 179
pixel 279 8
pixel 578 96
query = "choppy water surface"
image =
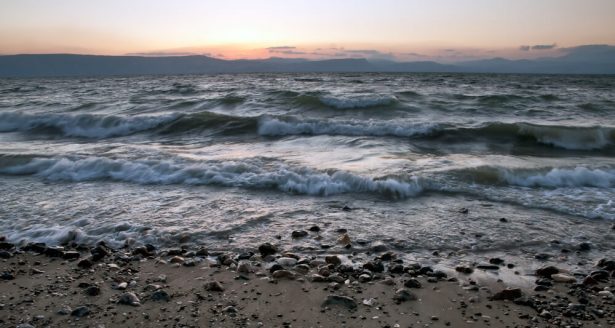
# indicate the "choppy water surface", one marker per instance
pixel 232 160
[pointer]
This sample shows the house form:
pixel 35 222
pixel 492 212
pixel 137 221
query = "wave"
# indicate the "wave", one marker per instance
pixel 82 125
pixel 358 101
pixel 279 127
pixel 250 173
pixel 572 177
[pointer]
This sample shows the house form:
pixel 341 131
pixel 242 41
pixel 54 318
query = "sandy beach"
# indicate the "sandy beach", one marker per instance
pixel 79 286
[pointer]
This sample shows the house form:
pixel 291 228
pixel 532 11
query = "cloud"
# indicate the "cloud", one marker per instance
pixel 544 46
pixel 167 53
pixel 525 48
pixel 280 48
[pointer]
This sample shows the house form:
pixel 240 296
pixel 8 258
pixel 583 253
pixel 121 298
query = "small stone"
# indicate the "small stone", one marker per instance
pixel 92 291
pixel 160 295
pixel 65 310
pixel 287 261
pixel 547 272
pixel 299 234
pixel 333 259
pixel 463 210
pixel 244 267
pixel 80 311
pixel 71 255
pixel 364 278
pixel 503 220
pixel 267 249
pixel 314 228
pixel 584 247
pixel 129 299
pixel 412 283
pixel 464 269
pixel 214 286
pixel 7 275
pixel 403 295
pixel 496 260
pixel 344 239
pixel 5 255
pixel 122 286
pixel 176 259
pixel 85 264
pixel 317 278
pixel 542 256
pixel 546 314
pixel 283 274
pixel 560 277
pixel 508 294
pixel 344 301
pixel 374 266
pixel 229 309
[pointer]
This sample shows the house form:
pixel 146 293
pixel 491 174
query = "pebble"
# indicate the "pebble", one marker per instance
pixel 404 295
pixel 80 311
pixel 160 295
pixel 561 277
pixel 267 249
pixel 92 291
pixel 286 261
pixel 508 294
pixel 283 274
pixel 299 234
pixel 344 301
pixel 412 283
pixel 214 286
pixel 333 259
pixel 129 299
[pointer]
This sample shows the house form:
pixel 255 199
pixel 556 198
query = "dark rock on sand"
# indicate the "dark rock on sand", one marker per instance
pixel 547 271
pixel 486 266
pixel 496 260
pixel 275 268
pixel 344 301
pixel 374 266
pixel 333 259
pixel 584 247
pixel 85 264
pixel 160 295
pixel 508 294
pixel 99 252
pixel 129 299
pixel 412 283
pixel 464 269
pixel 54 251
pixel 299 234
pixel 5 255
pixel 80 311
pixel 92 291
pixel 35 247
pixel 214 286
pixel 6 275
pixel 6 246
pixel 314 228
pixel 71 255
pixel 403 295
pixel 607 264
pixel 267 249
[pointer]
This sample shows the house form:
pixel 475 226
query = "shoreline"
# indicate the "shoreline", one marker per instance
pixel 99 286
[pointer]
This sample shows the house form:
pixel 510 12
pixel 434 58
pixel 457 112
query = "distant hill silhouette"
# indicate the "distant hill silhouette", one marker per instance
pixel 592 59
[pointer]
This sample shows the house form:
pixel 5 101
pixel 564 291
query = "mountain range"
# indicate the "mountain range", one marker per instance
pixel 590 59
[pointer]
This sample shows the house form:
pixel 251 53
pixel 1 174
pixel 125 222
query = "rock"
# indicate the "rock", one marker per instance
pixel 388 281
pixel 412 283
pixel 508 294
pixel 589 281
pixel 214 286
pixel 463 210
pixel 176 259
pixel 80 311
pixel 314 228
pixel 267 249
pixel 346 208
pixel 374 266
pixel 485 266
pixel 317 278
pixel 584 247
pixel 122 286
pixel 299 234
pixel 397 268
pixel 24 325
pixel 379 247
pixel 275 268
pixel 160 295
pixel 65 310
pixel 364 278
pixel 71 255
pixel 7 275
pixel 229 309
pixel 244 267
pixel 496 261
pixel 547 272
pixel 344 239
pixel 302 268
pixel 425 270
pixel 608 265
pixel 5 255
pixel 605 294
pixel 404 295
pixel 344 301
pixel 85 264
pixel 544 282
pixel 542 256
pixel 336 277
pixel 54 251
pixel 129 299
pixel 464 269
pixel 92 291
pixel 283 274
pixel 6 246
pixel 333 259
pixel 35 247
pixel 286 261
pixel 561 277
pixel 99 252
pixel 142 250
pixel 601 275
pixel 546 314
pixel 503 220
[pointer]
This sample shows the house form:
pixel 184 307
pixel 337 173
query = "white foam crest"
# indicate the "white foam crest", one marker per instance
pixel 573 138
pixel 358 101
pixel 83 125
pixel 251 173
pixel 562 177
pixel 277 127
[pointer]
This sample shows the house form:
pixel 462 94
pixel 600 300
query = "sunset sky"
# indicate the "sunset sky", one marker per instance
pixel 386 29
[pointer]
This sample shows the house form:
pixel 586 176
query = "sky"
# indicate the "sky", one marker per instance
pixel 444 30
